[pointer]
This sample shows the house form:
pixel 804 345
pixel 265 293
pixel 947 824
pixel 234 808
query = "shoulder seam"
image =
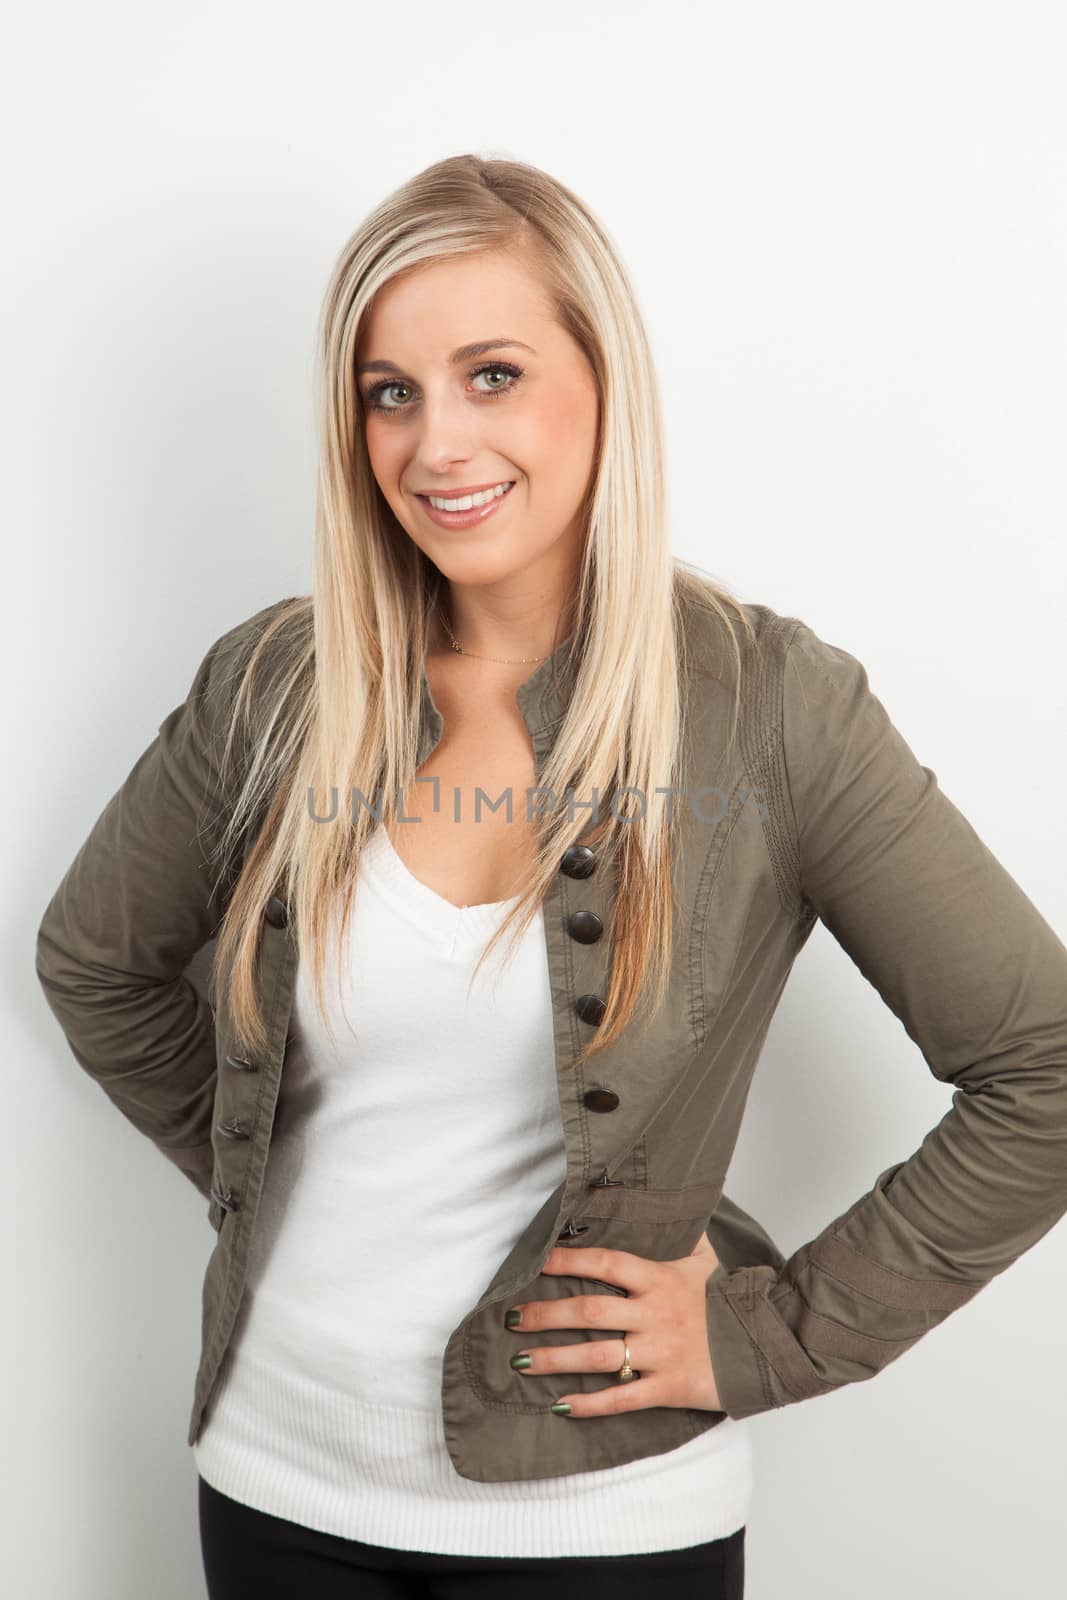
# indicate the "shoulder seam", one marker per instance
pixel 765 759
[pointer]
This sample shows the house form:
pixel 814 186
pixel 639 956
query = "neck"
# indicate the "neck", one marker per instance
pixel 483 631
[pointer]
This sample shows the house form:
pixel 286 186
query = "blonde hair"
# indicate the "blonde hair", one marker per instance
pixel 338 672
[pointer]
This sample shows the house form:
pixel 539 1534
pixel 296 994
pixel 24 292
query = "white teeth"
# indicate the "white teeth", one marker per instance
pixel 468 501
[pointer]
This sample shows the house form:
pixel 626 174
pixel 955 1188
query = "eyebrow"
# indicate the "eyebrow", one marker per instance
pixel 466 352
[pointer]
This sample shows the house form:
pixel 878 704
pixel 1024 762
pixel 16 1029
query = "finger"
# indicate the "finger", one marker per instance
pixel 575 1311
pixel 635 1396
pixel 596 1355
pixel 622 1267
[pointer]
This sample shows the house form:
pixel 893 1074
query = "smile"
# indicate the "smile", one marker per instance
pixel 469 509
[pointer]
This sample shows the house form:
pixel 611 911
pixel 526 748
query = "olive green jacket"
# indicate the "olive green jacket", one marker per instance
pixel 819 809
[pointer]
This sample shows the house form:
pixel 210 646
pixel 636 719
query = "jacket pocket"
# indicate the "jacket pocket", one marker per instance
pixel 487 1347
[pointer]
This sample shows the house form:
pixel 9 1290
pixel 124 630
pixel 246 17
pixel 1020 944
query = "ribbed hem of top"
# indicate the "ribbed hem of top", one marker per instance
pixel 288 1446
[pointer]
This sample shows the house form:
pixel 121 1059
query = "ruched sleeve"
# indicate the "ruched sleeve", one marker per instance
pixel 978 979
pixel 137 902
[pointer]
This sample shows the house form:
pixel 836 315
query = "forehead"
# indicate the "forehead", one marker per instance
pixel 433 309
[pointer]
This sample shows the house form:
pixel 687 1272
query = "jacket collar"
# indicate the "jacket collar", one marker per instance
pixel 542 699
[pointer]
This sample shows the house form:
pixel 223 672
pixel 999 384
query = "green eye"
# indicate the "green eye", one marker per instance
pixel 513 374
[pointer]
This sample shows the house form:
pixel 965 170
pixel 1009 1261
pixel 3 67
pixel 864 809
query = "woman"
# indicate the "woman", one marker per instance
pixel 593 807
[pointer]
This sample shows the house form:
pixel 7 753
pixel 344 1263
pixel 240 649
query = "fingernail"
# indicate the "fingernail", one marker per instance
pixel 513 1317
pixel 561 1408
pixel 521 1361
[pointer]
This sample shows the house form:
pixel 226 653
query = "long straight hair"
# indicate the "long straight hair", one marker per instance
pixel 330 694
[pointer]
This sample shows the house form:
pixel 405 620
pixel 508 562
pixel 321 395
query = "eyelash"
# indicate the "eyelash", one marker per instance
pixel 516 373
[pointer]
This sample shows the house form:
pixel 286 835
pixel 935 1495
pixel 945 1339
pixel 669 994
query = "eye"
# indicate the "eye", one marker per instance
pixel 513 374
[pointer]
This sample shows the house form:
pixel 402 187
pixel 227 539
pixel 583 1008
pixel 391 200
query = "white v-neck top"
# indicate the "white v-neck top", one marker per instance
pixel 407 1156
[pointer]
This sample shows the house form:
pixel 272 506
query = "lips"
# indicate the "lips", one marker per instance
pixel 465 519
pixel 462 491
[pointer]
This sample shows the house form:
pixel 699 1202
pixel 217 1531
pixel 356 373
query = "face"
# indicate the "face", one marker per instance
pixel 523 410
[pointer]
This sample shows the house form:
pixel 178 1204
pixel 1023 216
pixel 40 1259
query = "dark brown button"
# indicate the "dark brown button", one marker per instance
pixel 600 1099
pixel 232 1129
pixel 242 1063
pixel 585 926
pixel 571 1230
pixel 276 912
pixel 590 1008
pixel 578 861
pixel 226 1199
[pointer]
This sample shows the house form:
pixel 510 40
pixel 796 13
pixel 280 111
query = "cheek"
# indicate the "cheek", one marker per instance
pixel 563 424
pixel 555 444
pixel 560 452
pixel 378 449
pixel 387 462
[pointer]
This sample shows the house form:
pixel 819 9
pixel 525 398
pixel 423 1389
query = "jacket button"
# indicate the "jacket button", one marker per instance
pixel 276 912
pixel 572 1230
pixel 585 926
pixel 242 1063
pixel 226 1199
pixel 590 1008
pixel 232 1129
pixel 600 1099
pixel 578 861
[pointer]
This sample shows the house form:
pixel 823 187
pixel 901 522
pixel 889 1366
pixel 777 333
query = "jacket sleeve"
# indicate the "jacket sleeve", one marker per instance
pixel 133 908
pixel 978 979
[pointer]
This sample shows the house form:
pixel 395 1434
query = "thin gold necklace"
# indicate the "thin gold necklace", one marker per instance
pixel 509 661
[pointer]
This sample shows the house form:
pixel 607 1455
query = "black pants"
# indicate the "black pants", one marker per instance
pixel 249 1555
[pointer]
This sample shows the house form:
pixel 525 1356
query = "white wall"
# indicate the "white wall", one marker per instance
pixel 846 227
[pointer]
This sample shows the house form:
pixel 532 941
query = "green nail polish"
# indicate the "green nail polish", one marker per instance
pixel 512 1318
pixel 561 1408
pixel 521 1361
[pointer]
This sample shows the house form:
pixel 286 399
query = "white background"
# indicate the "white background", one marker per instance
pixel 845 224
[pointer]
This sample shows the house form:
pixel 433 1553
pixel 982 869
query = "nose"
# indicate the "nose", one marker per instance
pixel 448 431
